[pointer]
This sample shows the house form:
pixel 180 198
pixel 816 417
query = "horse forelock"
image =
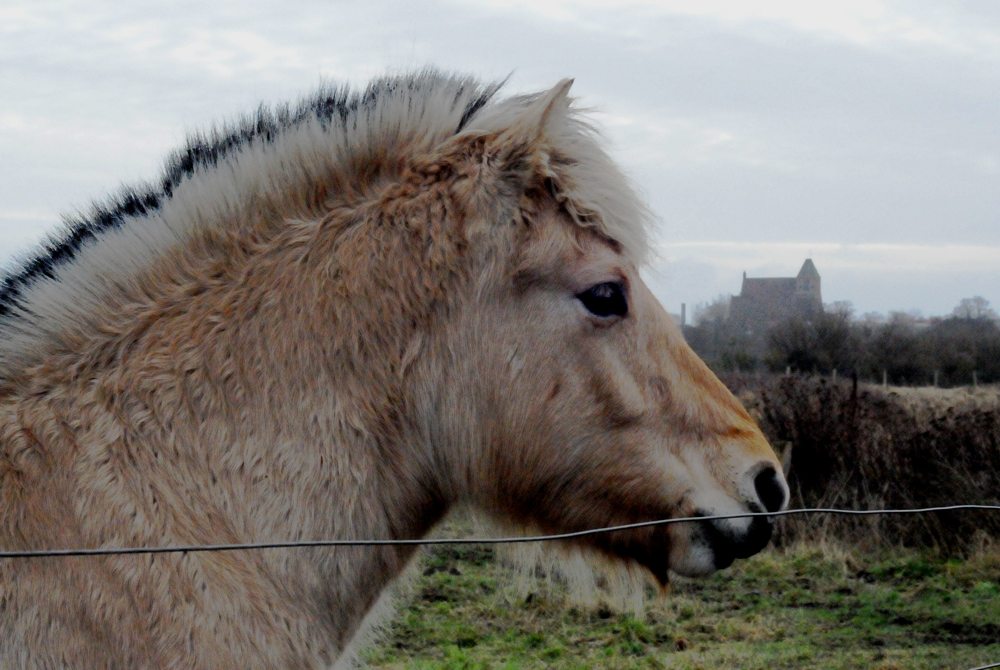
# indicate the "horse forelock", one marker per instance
pixel 290 163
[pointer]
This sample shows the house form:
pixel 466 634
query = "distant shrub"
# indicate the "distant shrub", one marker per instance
pixel 823 343
pixel 903 349
pixel 864 448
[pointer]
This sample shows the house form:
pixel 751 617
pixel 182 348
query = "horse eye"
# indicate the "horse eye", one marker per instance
pixel 607 299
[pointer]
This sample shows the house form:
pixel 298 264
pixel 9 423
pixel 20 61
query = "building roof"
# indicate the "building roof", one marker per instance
pixel 768 288
pixel 808 269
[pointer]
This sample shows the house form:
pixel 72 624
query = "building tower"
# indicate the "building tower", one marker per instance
pixel 807 285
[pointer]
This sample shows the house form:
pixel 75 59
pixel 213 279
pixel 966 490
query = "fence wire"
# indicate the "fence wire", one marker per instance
pixel 292 544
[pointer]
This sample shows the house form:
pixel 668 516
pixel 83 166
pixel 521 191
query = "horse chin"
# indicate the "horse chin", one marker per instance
pixel 694 560
pixel 689 557
pixel 699 549
pixel 690 550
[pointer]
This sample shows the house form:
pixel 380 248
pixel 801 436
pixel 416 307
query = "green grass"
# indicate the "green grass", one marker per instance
pixel 801 608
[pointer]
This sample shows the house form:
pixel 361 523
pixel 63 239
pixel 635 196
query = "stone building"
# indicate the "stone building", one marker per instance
pixel 763 302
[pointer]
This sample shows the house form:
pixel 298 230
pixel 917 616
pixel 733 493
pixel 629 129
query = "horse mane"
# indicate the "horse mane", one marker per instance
pixel 267 161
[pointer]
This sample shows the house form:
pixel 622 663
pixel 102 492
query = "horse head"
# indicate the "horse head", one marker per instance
pixel 338 323
pixel 558 392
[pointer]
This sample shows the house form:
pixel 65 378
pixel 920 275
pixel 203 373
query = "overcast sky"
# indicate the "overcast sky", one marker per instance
pixel 863 134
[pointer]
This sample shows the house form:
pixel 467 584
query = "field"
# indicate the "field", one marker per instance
pixel 889 593
pixel 792 608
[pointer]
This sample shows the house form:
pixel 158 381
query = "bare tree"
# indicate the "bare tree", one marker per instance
pixel 844 308
pixel 717 310
pixel 976 307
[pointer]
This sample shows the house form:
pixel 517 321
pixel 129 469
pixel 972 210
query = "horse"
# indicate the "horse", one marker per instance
pixel 342 319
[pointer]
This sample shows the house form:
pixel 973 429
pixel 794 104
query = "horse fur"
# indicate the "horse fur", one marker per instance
pixel 233 181
pixel 332 323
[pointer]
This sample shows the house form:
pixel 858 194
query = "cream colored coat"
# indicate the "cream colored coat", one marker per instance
pixel 344 331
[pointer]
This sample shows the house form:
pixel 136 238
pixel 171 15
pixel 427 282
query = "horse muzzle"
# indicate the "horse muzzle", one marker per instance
pixel 702 547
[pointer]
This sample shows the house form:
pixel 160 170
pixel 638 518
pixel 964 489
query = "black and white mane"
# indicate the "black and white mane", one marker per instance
pixel 275 160
pixel 338 106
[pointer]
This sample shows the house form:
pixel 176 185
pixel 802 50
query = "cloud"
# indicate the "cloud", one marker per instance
pixel 858 123
pixel 891 257
pixel 875 277
pixel 851 19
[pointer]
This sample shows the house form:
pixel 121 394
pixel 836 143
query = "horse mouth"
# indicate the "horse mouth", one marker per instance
pixel 699 548
pixel 727 545
pixel 695 548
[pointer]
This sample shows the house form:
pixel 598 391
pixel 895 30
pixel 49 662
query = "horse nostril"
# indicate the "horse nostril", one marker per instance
pixel 769 489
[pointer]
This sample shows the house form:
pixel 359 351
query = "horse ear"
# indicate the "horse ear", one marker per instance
pixel 510 159
pixel 531 123
pixel 519 151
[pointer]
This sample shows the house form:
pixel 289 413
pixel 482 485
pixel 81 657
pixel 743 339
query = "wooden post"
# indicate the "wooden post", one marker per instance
pixel 835 374
pixel 788 370
pixel 885 380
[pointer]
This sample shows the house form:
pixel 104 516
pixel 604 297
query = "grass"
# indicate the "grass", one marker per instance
pixel 796 608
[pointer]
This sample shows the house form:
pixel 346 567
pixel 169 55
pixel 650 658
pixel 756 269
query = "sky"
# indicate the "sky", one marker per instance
pixel 862 134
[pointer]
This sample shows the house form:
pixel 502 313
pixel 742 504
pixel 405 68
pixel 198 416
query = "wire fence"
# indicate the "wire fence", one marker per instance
pixel 292 544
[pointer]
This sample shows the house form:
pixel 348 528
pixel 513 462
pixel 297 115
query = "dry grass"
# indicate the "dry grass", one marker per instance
pixel 865 448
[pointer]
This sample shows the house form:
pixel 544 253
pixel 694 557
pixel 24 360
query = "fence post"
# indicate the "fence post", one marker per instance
pixel 885 380
pixel 835 374
pixel 788 370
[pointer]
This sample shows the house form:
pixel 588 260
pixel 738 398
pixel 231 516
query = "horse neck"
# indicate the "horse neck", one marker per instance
pixel 253 418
